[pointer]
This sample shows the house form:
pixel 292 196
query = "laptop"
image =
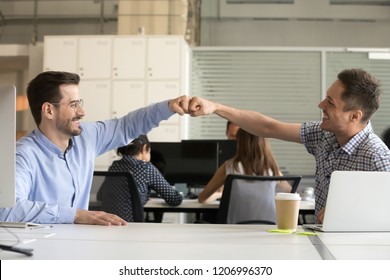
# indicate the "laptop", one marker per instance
pixel 358 201
pixel 20 225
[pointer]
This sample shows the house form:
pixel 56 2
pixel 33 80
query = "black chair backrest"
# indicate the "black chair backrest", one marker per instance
pixel 119 195
pixel 251 199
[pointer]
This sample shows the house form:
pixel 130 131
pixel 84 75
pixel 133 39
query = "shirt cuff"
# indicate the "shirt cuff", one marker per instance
pixel 163 107
pixel 66 215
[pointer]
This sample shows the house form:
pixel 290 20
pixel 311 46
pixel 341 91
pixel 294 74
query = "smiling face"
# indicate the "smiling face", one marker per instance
pixel 69 112
pixel 334 118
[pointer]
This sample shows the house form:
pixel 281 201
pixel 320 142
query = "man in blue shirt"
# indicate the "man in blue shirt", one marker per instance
pixel 55 162
pixel 343 140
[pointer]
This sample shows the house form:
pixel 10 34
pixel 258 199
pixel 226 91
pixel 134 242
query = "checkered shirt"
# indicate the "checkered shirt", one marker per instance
pixel 365 151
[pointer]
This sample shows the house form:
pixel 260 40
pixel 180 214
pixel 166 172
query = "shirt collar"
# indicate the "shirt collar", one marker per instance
pixel 352 144
pixel 50 145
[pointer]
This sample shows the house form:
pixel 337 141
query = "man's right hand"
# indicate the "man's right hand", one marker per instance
pixel 199 107
pixel 98 218
pixel 320 216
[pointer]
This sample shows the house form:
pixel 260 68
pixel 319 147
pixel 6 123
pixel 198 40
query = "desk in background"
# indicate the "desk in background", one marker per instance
pixel 187 206
pixel 193 206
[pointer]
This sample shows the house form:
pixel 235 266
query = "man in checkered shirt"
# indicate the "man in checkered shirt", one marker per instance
pixel 342 140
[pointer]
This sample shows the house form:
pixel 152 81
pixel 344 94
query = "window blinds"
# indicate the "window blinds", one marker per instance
pixel 284 85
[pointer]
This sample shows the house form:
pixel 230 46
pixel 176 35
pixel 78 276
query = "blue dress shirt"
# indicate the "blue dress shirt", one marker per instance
pixel 51 185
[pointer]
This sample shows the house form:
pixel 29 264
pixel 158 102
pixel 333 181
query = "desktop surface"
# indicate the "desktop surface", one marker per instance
pixel 139 241
pixel 192 205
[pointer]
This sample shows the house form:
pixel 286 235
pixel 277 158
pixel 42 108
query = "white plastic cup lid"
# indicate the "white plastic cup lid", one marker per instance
pixel 287 196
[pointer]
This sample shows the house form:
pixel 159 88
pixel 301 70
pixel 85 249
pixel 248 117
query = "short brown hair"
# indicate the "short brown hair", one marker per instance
pixel 45 87
pixel 362 91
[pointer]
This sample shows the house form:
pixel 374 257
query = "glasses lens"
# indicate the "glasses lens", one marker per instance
pixel 76 104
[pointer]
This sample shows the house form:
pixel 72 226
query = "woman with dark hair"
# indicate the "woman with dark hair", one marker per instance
pixel 136 158
pixel 253 157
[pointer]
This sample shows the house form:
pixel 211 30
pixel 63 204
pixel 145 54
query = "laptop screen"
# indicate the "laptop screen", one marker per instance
pixel 358 201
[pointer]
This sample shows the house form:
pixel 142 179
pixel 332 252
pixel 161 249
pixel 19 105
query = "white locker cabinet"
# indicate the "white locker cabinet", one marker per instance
pixel 96 96
pixel 129 58
pixel 97 99
pixel 60 54
pixel 164 58
pixel 94 57
pixel 127 96
pixel 165 133
pixel 160 91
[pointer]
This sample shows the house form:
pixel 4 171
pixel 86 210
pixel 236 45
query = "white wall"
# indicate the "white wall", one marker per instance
pixel 295 33
pixel 312 23
pixel 305 23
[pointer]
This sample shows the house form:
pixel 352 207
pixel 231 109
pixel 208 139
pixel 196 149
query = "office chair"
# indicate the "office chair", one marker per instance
pixel 119 195
pixel 251 199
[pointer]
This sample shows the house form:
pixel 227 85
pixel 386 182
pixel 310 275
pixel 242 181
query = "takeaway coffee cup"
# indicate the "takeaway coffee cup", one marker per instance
pixel 287 210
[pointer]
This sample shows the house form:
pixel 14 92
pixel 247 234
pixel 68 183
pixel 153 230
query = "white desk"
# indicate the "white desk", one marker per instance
pixel 167 241
pixel 188 205
pixel 191 205
pixel 151 241
pixel 358 246
pixel 158 205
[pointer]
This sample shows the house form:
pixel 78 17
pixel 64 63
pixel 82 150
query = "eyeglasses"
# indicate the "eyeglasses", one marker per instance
pixel 75 104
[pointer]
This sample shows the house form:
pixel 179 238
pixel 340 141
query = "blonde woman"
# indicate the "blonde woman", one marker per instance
pixel 253 157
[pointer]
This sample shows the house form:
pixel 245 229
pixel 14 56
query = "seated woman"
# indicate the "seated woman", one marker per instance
pixel 253 157
pixel 136 158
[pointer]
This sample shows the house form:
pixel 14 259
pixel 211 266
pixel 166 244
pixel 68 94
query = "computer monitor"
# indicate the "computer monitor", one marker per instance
pixel 226 149
pixel 7 145
pixel 193 163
